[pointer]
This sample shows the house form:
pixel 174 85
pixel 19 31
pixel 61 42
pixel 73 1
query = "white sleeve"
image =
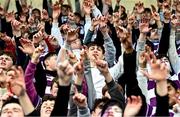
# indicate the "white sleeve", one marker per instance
pixel 55 31
pixel 173 55
pixel 96 12
pixel 118 69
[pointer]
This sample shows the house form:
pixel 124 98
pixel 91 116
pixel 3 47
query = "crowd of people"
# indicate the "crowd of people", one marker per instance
pixel 94 61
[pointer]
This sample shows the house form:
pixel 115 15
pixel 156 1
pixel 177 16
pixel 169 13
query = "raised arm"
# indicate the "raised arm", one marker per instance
pixel 172 52
pixel 159 73
pixel 110 50
pixel 65 71
pixel 17 85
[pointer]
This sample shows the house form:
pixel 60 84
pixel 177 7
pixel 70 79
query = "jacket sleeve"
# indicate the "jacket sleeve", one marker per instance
pixel 173 55
pixel 84 112
pixel 115 93
pixel 164 41
pixel 162 106
pixel 87 25
pixel 30 88
pixel 110 50
pixel 20 56
pixel 56 33
pixel 117 70
pixel 61 101
pixel 88 37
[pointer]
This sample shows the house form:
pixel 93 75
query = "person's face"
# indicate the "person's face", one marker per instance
pixel 95 51
pixel 64 11
pixel 154 34
pixel 171 93
pixel 147 15
pixel 77 19
pixel 46 108
pixel 5 62
pixel 54 89
pixel 51 63
pixel 113 111
pixel 166 61
pixel 12 110
pixel 36 15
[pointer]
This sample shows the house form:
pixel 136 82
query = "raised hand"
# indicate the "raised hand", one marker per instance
pixel 16 25
pixel 71 35
pixel 103 25
pixel 125 38
pixel 140 7
pixel 79 99
pixel 159 71
pixel 65 71
pixel 72 57
pixel 38 37
pixel 95 22
pixel 27 46
pixel 16 81
pixel 174 21
pixel 116 17
pixel 44 15
pixel 36 54
pixel 144 27
pixel 25 9
pixel 102 66
pixel 5 38
pixel 142 60
pixel 56 10
pixel 87 7
pixel 64 28
pixel 10 16
pixel 133 106
pixel 84 53
pixel 122 33
pixel 153 8
pixel 156 16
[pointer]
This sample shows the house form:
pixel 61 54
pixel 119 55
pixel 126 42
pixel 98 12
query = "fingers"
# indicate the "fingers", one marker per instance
pixel 66 68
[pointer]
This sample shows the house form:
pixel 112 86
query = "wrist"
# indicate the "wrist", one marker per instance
pixel 92 28
pixel 35 61
pixel 64 82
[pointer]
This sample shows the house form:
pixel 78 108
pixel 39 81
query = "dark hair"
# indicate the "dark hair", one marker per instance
pixel 48 56
pixel 36 9
pixel 150 44
pixel 95 43
pixel 55 80
pixel 112 103
pixel 10 100
pixel 10 54
pixel 78 15
pixel 100 103
pixel 147 10
pixel 105 88
pixel 173 84
pixel 48 97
